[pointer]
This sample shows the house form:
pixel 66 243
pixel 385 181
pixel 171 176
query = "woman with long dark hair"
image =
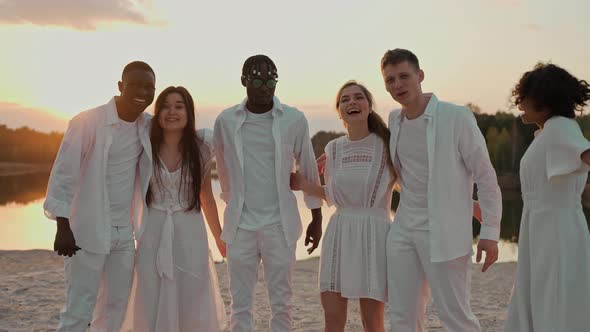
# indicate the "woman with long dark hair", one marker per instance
pixel 175 280
pixel 359 179
pixel 552 287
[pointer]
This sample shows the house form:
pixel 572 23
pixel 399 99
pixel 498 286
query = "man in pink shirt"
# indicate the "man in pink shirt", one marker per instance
pixel 96 195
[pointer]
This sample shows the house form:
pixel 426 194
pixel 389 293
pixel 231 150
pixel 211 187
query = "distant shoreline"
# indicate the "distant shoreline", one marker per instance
pixel 509 183
pixel 15 168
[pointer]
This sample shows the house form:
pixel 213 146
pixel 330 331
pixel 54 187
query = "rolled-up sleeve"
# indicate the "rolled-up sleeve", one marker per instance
pixel 474 153
pixel 63 181
pixel 306 162
pixel 220 161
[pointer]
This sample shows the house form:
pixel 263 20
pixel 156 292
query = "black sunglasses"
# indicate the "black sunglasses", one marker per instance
pixel 258 82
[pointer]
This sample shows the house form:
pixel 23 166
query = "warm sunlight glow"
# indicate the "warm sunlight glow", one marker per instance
pixel 60 68
pixel 25 227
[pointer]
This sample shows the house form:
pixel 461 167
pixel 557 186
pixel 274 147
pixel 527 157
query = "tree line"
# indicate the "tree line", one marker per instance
pixel 26 145
pixel 507 138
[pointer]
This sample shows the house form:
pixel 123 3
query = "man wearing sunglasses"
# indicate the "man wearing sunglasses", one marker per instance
pixel 257 144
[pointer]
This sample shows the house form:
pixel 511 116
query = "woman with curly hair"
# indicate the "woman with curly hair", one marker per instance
pixel 552 287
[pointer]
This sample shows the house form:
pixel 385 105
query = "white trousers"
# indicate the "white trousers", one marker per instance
pixel 99 283
pixel 244 254
pixel 410 271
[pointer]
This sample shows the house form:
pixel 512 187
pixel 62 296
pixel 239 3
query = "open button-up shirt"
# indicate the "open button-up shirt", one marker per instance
pixel 457 157
pixel 290 133
pixel 77 184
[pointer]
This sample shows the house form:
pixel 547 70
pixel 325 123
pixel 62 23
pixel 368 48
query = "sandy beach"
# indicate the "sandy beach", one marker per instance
pixel 32 293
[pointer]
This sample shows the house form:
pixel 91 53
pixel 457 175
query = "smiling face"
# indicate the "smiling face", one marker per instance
pixel 403 82
pixel 353 105
pixel 137 89
pixel 173 116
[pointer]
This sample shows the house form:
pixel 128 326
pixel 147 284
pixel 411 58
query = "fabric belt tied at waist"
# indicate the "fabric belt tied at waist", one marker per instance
pixel 164 259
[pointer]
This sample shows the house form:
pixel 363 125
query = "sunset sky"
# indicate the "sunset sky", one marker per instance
pixel 59 57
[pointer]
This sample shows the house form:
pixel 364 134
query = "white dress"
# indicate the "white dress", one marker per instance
pixel 358 183
pixel 175 283
pixel 552 287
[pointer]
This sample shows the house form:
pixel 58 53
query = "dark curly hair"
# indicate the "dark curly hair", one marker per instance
pixel 255 61
pixel 551 87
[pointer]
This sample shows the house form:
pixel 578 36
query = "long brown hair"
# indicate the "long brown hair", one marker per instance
pixel 375 122
pixel 190 144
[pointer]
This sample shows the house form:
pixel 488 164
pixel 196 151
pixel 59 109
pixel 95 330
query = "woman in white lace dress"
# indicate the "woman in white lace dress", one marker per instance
pixel 175 283
pixel 359 178
pixel 552 287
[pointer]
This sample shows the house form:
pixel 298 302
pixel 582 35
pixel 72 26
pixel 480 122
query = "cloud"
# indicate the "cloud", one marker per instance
pixel 77 14
pixel 15 116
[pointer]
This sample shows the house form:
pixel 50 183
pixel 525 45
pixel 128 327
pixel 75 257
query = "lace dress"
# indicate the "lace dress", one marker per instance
pixel 175 283
pixel 358 183
pixel 552 288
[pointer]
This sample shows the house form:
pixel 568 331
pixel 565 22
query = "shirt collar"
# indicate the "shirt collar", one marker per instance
pixel 113 116
pixel 431 106
pixel 429 112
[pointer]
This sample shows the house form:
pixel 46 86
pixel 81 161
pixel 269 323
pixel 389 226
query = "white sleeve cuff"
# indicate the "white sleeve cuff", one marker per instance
pixel 489 233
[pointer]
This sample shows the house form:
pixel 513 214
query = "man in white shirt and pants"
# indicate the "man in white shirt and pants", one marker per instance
pixel 256 144
pixel 438 152
pixel 96 194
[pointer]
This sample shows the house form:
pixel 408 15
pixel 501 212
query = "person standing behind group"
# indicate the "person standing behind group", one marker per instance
pixel 359 180
pixel 438 152
pixel 552 287
pixel 256 144
pixel 96 194
pixel 175 281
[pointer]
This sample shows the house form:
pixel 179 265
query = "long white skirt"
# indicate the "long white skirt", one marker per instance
pixel 552 288
pixel 353 259
pixel 191 300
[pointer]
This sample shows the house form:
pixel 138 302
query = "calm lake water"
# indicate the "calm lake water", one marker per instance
pixel 23 225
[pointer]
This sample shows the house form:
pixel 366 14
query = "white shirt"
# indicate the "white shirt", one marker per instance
pixel 77 188
pixel 290 134
pixel 121 166
pixel 261 203
pixel 458 157
pixel 412 153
